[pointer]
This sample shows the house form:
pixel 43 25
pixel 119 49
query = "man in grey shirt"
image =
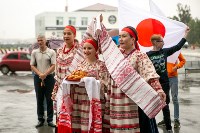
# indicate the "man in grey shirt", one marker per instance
pixel 42 63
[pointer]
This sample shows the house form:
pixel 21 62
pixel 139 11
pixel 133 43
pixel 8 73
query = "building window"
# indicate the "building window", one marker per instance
pixel 59 20
pixel 72 21
pixel 84 21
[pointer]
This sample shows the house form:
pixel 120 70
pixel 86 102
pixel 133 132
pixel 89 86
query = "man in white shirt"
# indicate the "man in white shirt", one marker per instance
pixel 42 64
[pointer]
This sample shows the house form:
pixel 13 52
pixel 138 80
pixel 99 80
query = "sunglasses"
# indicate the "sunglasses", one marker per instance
pixel 159 41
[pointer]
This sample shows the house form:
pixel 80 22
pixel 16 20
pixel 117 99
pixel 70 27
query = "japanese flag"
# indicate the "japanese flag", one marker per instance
pixel 148 23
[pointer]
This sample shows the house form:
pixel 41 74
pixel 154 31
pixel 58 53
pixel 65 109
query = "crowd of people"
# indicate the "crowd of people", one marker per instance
pixel 119 105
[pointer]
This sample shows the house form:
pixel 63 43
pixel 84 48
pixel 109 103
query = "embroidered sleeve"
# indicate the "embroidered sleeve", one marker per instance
pixel 145 67
pixel 103 76
pixel 155 84
pixel 55 90
pixel 57 65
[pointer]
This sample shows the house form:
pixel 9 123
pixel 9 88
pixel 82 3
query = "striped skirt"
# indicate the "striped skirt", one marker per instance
pixel 121 113
pixel 123 116
pixel 81 109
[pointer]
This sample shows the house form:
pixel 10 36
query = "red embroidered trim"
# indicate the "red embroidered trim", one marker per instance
pixel 66 52
pixel 155 84
pixel 128 53
pixel 96 125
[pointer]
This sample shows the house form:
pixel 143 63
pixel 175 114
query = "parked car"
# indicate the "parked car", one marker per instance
pixel 15 61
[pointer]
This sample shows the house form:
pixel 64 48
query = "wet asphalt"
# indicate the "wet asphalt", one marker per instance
pixel 18 103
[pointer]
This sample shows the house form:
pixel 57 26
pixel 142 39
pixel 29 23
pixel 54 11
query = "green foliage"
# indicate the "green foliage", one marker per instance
pixel 184 13
pixel 185 16
pixel 194 36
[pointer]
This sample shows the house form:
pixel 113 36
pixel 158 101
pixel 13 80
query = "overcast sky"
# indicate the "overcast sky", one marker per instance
pixel 17 17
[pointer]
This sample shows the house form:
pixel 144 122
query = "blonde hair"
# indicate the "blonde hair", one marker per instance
pixel 156 37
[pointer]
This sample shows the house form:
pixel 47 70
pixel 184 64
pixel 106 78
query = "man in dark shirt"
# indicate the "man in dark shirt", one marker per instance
pixel 158 55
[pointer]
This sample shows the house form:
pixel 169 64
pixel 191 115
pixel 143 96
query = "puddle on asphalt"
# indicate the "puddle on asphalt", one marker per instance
pixel 189 83
pixel 185 101
pixel 21 74
pixel 20 90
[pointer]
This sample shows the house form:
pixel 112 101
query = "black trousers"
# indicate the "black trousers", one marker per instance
pixel 147 125
pixel 165 110
pixel 41 92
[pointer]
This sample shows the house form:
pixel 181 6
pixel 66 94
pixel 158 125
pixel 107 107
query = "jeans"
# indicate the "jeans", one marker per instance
pixel 174 92
pixel 44 92
pixel 165 110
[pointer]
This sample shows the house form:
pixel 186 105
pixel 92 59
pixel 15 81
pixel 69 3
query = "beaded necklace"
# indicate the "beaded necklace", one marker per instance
pixel 66 52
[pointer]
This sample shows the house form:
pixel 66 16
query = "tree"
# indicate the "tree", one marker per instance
pixel 194 35
pixel 184 16
pixel 184 13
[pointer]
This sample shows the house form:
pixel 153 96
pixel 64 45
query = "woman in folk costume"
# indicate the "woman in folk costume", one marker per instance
pixel 79 114
pixel 122 114
pixel 64 56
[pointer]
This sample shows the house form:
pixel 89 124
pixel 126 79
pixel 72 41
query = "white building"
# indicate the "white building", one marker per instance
pixel 51 24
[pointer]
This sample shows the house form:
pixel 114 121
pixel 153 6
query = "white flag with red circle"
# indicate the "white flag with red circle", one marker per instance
pixel 147 24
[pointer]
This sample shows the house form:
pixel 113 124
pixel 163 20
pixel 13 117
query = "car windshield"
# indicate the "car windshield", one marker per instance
pixel 12 56
pixel 24 56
